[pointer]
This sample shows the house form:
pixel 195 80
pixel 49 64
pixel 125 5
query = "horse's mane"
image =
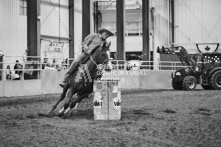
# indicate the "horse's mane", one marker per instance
pixel 95 49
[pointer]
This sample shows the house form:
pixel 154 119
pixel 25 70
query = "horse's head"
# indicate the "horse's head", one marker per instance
pixel 102 56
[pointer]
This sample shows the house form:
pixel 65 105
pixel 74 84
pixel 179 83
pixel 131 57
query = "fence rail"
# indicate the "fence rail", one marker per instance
pixel 32 66
pixel 139 65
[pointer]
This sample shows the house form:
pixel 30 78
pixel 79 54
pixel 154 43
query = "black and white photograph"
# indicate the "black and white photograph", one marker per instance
pixel 110 73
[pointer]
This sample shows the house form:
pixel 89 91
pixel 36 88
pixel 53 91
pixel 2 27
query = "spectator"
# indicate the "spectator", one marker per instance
pixel 49 67
pixel 128 66
pixel 45 63
pixel 8 73
pixel 65 63
pixel 58 67
pixel 54 63
pixel 17 67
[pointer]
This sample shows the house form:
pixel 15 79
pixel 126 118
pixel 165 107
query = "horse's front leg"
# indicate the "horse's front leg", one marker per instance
pixel 51 112
pixel 66 108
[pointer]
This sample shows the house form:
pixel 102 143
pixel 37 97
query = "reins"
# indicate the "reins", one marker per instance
pixel 91 58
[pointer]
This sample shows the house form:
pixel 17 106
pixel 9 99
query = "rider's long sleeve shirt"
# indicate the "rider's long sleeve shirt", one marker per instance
pixel 92 41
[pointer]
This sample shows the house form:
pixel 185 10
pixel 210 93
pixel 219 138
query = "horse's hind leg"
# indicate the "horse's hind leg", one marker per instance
pixel 51 112
pixel 75 102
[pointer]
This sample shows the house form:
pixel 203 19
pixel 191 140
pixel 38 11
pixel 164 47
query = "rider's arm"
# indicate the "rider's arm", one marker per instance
pixel 87 41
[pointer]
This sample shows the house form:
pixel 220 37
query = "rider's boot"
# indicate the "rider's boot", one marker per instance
pixel 63 82
pixel 73 68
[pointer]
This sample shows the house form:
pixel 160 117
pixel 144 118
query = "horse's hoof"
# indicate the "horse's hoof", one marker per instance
pixel 66 115
pixel 60 114
pixel 51 114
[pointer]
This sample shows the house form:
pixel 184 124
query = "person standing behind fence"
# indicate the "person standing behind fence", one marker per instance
pixel 8 72
pixel 45 63
pixel 17 67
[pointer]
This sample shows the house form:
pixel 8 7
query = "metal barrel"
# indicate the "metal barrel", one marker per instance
pixel 107 99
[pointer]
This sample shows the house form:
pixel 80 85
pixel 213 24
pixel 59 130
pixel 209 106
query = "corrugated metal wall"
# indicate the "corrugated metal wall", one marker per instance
pixel 55 22
pixel 54 30
pixel 13 26
pixel 195 21
pixel 161 21
pixel 160 24
pixel 198 21
pixel 13 30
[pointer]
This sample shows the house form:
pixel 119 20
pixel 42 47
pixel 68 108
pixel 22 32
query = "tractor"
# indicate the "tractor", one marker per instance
pixel 202 68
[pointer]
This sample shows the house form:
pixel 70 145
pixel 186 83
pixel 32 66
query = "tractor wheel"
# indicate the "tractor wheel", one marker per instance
pixel 207 87
pixel 189 83
pixel 177 85
pixel 215 80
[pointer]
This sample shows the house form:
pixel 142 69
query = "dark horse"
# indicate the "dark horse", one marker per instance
pixel 81 81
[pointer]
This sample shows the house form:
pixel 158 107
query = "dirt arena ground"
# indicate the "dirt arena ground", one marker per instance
pixel 160 118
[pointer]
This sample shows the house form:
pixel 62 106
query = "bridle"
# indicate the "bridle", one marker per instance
pixel 91 58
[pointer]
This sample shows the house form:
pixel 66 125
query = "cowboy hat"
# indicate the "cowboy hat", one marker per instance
pixel 100 31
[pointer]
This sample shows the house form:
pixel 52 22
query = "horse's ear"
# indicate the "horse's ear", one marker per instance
pixel 108 44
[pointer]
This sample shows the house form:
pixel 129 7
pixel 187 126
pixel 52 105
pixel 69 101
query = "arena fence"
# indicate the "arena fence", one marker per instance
pixel 39 78
pixel 49 80
pixel 32 66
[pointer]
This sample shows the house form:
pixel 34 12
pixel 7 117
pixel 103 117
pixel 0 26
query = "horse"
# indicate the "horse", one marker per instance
pixel 81 81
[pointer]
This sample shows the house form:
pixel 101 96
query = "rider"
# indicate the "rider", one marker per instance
pixel 90 42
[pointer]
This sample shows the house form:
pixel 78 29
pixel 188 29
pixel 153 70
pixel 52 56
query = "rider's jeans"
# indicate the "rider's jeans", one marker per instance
pixel 81 59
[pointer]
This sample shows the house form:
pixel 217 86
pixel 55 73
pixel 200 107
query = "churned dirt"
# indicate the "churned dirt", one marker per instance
pixel 160 118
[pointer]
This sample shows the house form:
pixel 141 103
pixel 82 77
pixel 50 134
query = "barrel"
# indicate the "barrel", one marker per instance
pixel 107 99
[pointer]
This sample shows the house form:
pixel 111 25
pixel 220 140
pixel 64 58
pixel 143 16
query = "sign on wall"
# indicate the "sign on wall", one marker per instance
pixel 55 51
